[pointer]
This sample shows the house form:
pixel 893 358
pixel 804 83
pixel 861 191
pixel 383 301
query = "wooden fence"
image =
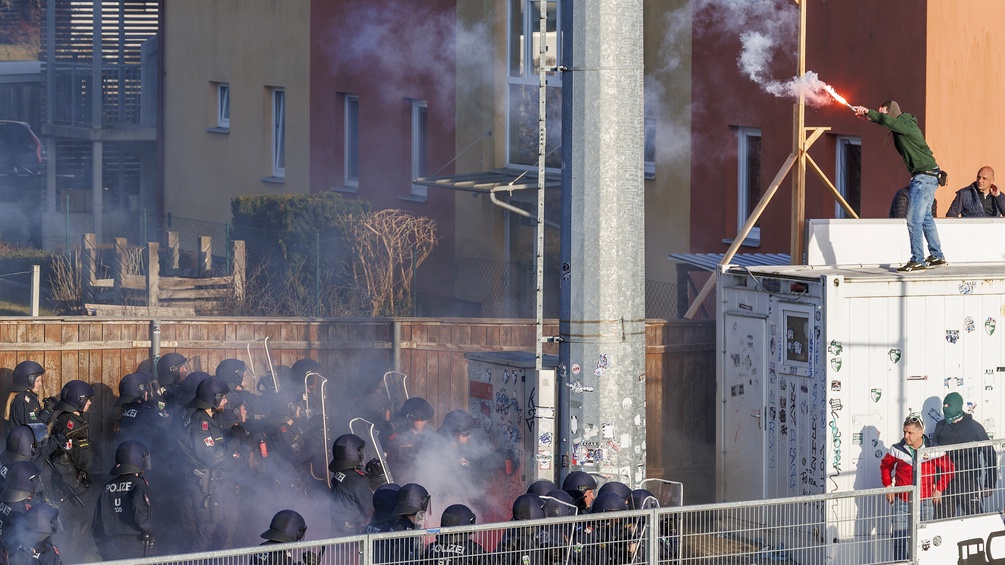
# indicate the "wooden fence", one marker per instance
pixel 680 366
pixel 129 293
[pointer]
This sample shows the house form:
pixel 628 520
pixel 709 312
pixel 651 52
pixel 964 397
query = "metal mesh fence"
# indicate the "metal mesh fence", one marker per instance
pixel 841 529
pixel 959 481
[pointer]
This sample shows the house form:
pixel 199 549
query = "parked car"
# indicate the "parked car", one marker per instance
pixel 21 152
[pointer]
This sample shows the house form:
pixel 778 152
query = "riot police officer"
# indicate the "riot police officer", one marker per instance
pixel 22 405
pixel 140 417
pixel 409 513
pixel 583 487
pixel 171 371
pixel 71 462
pixel 231 371
pixel 31 543
pixel 351 498
pixel 521 545
pixel 455 548
pixel 385 498
pixel 287 526
pixel 22 445
pixel 211 460
pixel 122 526
pixel 404 444
pixel 22 490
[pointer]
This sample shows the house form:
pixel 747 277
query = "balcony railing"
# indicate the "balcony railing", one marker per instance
pixel 122 92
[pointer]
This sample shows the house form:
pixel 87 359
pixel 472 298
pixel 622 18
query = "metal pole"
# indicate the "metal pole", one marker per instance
pixel 542 151
pixel 317 273
pixel 155 344
pixel 35 277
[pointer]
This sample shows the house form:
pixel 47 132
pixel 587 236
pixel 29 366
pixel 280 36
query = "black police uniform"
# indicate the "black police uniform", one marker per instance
pixel 455 549
pixel 143 421
pixel 10 512
pixel 121 516
pixel 210 457
pixel 25 408
pixel 43 553
pixel 72 460
pixel 352 502
pixel 273 557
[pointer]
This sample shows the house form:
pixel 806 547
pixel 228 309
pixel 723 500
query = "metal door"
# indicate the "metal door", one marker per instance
pixel 742 396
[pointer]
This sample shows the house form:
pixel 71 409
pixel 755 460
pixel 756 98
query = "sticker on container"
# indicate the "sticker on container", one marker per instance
pixel 967 287
pixel 952 336
pixel 894 355
pixel 989 325
pixel 836 364
pixel 876 394
pixel 968 324
pixel 576 369
pixel 836 386
pixel 835 347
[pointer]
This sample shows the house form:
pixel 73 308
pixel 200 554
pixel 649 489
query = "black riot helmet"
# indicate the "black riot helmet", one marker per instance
pixel 347 453
pixel 133 387
pixel 74 396
pixel 22 482
pixel 300 369
pixel 416 408
pixel 169 368
pixel 412 499
pixel 287 526
pixel 617 487
pixel 642 499
pixel 609 502
pixel 558 503
pixel 190 385
pixel 528 507
pixel 40 522
pixel 457 515
pixel 579 480
pixel 21 445
pixel 131 457
pixel 456 423
pixel 385 498
pixel 541 487
pixel 231 371
pixel 25 375
pixel 209 394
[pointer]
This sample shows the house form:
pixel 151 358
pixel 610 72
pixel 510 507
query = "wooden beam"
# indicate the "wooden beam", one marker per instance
pixel 833 189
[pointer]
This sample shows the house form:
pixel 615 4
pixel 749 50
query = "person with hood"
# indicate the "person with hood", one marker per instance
pixel 123 522
pixel 455 548
pixel 31 542
pixel 925 179
pixel 979 199
pixel 964 495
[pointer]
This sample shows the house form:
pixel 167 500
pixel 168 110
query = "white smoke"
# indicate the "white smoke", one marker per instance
pixel 768 33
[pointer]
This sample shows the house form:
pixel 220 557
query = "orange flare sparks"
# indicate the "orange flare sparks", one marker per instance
pixel 835 95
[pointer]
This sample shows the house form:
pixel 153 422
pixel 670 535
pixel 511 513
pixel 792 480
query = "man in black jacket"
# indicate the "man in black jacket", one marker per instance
pixel 966 489
pixel 979 199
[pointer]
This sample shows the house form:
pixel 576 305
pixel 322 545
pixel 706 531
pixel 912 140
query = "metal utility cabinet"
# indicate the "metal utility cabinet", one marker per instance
pixel 819 365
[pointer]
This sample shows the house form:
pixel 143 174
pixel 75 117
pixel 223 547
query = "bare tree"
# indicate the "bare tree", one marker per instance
pixel 388 246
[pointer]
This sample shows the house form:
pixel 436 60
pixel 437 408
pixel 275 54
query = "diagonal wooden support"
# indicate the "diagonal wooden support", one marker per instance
pixel 827 182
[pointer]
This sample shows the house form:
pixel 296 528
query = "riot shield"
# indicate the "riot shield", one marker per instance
pixel 260 361
pixel 322 392
pixel 397 390
pixel 669 494
pixel 367 432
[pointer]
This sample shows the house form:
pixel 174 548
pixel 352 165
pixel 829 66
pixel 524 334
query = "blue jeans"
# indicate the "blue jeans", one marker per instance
pixel 902 525
pixel 919 218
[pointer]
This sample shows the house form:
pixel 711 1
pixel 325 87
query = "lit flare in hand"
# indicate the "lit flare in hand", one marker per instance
pixel 830 90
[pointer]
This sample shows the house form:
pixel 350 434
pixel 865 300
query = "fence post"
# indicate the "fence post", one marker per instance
pixel 119 272
pixel 239 269
pixel 205 255
pixel 88 267
pixel 153 274
pixel 173 251
pixel 35 276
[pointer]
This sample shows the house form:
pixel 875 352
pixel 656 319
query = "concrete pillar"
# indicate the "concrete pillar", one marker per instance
pixel 602 319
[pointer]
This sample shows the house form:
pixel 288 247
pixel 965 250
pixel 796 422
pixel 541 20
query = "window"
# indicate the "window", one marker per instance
pixel 223 106
pixel 748 178
pixel 848 177
pixel 524 40
pixel 352 140
pixel 278 133
pixel 649 151
pixel 419 163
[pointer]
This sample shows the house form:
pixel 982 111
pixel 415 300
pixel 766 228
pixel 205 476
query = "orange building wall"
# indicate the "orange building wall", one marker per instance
pixel 966 89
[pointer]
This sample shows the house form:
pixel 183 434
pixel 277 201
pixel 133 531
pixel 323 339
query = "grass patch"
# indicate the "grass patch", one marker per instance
pixel 11 308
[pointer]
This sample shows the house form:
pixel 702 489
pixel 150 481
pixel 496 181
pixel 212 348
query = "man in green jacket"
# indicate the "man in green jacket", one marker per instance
pixel 920 162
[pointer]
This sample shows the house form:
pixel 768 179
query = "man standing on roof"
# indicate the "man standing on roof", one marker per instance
pixel 926 176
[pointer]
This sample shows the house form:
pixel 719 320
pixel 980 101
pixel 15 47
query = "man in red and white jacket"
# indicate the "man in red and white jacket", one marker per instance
pixel 897 469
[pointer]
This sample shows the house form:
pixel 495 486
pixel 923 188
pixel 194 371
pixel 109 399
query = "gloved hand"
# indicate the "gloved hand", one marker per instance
pixel 147 537
pixel 84 479
pixel 309 558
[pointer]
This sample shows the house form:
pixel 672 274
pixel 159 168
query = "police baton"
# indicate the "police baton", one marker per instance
pixel 75 497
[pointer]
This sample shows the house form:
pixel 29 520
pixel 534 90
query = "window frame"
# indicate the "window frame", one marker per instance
pixel 278 132
pixel 840 177
pixel 350 155
pixel 223 105
pixel 743 208
pixel 419 146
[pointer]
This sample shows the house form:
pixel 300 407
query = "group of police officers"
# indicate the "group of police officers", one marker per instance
pixel 222 450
